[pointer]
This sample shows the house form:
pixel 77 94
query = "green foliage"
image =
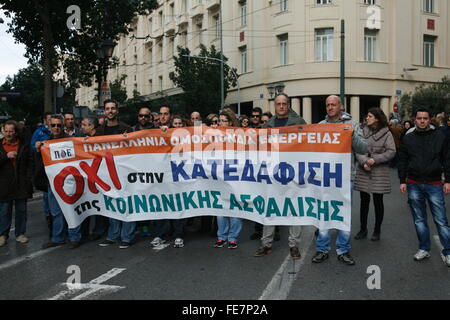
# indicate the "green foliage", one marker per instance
pixel 200 79
pixel 436 97
pixel 41 25
pixel 30 106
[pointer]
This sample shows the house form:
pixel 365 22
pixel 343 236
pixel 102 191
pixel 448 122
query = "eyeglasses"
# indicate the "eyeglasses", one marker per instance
pixel 215 121
pixel 144 116
pixel 256 116
pixel 58 125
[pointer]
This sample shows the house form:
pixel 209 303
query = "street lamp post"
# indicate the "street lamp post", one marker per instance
pixel 104 53
pixel 234 74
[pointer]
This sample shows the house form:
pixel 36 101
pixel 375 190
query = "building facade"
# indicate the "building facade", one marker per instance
pixel 294 46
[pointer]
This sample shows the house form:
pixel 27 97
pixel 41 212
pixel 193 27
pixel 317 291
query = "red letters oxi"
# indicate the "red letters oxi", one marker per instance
pixel 92 177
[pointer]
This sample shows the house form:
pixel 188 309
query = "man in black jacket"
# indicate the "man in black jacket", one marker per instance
pixel 423 158
pixel 15 183
pixel 118 231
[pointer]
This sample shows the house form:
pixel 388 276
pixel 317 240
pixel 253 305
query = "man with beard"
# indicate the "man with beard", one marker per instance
pixel 118 231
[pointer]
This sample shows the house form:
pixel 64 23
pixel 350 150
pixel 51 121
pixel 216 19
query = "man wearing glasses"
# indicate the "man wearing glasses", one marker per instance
pixel 58 221
pixel 145 120
pixel 255 118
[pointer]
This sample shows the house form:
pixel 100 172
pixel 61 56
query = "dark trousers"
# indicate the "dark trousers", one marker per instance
pixel 379 210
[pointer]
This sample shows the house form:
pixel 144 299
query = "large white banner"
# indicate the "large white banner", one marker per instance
pixel 296 175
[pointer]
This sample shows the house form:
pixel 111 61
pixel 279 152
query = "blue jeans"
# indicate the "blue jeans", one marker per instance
pixel 120 230
pixel 46 205
pixel 342 241
pixel 6 210
pixel 59 223
pixel 229 228
pixel 418 194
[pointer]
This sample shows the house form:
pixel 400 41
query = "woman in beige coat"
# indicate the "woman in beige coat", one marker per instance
pixel 372 173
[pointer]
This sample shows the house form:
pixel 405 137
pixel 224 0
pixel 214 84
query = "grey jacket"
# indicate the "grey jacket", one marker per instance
pixel 359 144
pixel 381 148
pixel 293 119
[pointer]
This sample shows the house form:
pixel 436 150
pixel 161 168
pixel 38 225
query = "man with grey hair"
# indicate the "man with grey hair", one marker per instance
pixel 284 117
pixel 89 126
pixel 335 114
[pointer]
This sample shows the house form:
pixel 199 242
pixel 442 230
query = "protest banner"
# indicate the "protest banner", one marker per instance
pixel 297 175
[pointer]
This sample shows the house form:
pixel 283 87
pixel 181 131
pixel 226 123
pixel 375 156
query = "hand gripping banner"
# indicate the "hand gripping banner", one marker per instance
pixel 297 175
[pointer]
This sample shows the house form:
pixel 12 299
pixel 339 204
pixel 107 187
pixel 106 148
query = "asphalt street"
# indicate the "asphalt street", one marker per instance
pixel 200 272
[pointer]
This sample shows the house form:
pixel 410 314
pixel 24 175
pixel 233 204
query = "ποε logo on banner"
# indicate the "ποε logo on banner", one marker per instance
pixel 62 150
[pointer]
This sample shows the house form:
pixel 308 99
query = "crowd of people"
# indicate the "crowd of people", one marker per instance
pixel 417 147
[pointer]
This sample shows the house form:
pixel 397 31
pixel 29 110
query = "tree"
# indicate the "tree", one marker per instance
pixel 436 97
pixel 200 79
pixel 30 105
pixel 41 25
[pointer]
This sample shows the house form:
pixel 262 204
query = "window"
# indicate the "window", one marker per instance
pixel 283 5
pixel 161 19
pixel 284 49
pixel 243 12
pixel 370 2
pixel 428 6
pixel 160 78
pixel 172 11
pixel 428 51
pixel 323 1
pixel 244 59
pixel 150 85
pixel 183 6
pixel 199 27
pixel 160 50
pixel 324 44
pixel 171 47
pixel 370 45
pixel 216 22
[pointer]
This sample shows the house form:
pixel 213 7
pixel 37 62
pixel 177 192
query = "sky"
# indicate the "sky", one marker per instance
pixel 11 54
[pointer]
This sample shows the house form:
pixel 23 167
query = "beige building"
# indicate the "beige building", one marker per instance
pixel 391 46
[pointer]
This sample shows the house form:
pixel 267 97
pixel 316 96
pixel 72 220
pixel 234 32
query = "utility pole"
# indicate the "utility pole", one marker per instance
pixel 343 64
pixel 222 94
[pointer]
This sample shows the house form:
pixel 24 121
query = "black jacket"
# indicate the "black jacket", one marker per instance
pixel 122 128
pixel 423 157
pixel 15 182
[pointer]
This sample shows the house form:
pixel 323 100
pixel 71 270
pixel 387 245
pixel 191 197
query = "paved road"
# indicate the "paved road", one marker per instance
pixel 200 272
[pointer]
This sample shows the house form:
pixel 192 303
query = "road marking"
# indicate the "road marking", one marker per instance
pixel 93 287
pixel 281 283
pixel 161 247
pixel 25 258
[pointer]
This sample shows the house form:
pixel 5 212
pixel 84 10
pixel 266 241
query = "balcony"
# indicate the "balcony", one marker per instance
pixel 158 32
pixel 182 19
pixel 212 4
pixel 170 27
pixel 197 11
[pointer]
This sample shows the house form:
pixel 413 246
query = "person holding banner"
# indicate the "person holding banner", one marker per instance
pixel 58 221
pixel 228 227
pixel 118 230
pixel 15 182
pixel 372 173
pixel 336 114
pixel 284 117
pixel 145 120
pixel 423 158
